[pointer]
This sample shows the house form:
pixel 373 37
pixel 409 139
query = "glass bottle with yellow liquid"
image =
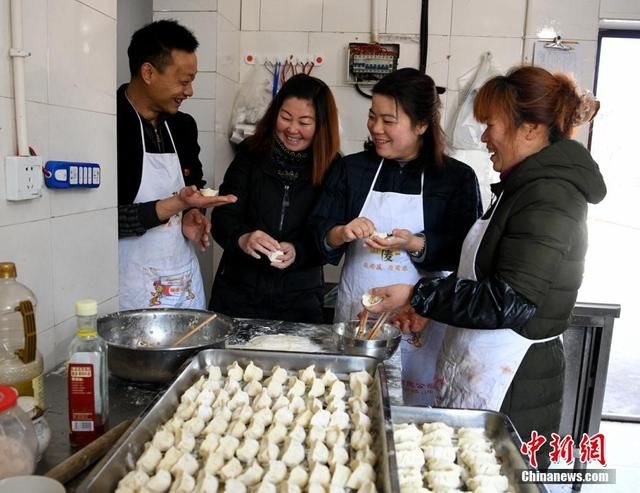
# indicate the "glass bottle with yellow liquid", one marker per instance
pixel 87 378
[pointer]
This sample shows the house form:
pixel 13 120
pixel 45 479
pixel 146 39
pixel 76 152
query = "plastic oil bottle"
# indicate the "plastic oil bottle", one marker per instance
pixel 87 378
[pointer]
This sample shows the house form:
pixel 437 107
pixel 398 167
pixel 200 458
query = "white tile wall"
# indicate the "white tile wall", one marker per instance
pixel 290 15
pixel 488 18
pixel 563 18
pixel 35 41
pixel 225 95
pixel 230 10
pixel 82 62
pixel 203 110
pixel 353 110
pixel 204 87
pixel 228 55
pixel 620 9
pixel 204 27
pixel 83 246
pixel 28 245
pixel 250 15
pixel 466 52
pixel 107 7
pixel 185 5
pixel 6 83
pixel 68 142
pixel 70 89
pixel 403 16
pixel 351 16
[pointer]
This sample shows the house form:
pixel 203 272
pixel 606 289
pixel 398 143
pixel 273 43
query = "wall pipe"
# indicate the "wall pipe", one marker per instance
pixel 374 21
pixel 18 54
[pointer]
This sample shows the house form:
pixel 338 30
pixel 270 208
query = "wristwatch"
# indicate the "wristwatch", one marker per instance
pixel 419 253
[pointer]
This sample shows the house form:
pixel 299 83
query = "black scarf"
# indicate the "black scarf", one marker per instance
pixel 288 164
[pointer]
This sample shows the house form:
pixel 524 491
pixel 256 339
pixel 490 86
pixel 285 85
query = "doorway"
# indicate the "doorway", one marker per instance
pixel 612 271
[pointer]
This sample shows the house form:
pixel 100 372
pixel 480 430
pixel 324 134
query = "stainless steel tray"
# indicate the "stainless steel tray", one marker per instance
pixel 497 426
pixel 122 458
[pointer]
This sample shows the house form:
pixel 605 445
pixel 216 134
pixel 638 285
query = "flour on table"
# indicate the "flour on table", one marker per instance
pixel 281 342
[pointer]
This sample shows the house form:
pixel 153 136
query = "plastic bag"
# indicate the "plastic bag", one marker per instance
pixel 466 129
pixel 250 104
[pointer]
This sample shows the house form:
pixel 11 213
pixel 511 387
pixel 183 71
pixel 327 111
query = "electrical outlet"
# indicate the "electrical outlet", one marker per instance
pixel 23 177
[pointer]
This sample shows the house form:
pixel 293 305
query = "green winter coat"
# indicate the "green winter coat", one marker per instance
pixel 533 254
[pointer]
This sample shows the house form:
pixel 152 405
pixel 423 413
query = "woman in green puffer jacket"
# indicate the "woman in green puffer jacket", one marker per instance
pixel 522 262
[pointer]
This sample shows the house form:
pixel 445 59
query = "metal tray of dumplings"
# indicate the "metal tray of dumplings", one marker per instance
pixel 122 458
pixel 497 426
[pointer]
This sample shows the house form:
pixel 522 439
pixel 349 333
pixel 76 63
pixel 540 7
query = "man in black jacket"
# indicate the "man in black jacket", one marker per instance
pixel 159 173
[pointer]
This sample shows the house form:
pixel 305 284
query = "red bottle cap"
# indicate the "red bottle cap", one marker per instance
pixel 8 397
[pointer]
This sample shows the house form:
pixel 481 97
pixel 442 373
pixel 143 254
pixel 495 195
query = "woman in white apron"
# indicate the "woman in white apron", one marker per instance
pixel 522 263
pixel 401 187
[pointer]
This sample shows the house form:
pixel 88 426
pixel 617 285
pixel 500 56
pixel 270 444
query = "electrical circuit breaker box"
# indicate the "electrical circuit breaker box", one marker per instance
pixel 367 63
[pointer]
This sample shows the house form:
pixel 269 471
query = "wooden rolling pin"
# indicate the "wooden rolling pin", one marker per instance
pixel 86 456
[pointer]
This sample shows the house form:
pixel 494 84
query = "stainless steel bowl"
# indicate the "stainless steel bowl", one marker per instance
pixel 382 346
pixel 139 341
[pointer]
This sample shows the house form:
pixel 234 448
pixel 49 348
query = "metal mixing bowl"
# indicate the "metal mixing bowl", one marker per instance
pixel 381 347
pixel 139 341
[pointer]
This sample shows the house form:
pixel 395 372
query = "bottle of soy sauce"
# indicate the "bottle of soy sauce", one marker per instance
pixel 87 378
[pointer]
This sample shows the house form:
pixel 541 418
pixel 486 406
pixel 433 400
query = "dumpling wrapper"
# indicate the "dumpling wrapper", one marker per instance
pixel 274 256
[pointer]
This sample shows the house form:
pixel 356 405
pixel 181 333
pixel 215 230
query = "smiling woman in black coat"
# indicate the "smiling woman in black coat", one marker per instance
pixel 271 268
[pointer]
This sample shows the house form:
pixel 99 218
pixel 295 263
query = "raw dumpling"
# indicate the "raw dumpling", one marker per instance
pixel 366 455
pixel 187 442
pixel 186 464
pixel 209 444
pixel 263 416
pixel 339 419
pixel 206 397
pixel 283 416
pixel 159 482
pixel 214 462
pixel 362 473
pixel 335 404
pixel 149 459
pixel 308 374
pixel 184 483
pixel 208 192
pixel 185 410
pixel 232 386
pixel 304 418
pixel 296 387
pixel 255 430
pixel 215 373
pixel 318 453
pixel 204 412
pixel 298 476
pixel 234 371
pixel 280 402
pixel 297 404
pixel 320 474
pixel 447 454
pixel 239 399
pixel 321 418
pixel 406 433
pixel 253 388
pixel 247 451
pixel 443 479
pixel 497 483
pixel 243 414
pixel 328 377
pixel 297 434
pixel 206 483
pixel 361 438
pixel 217 425
pixel 269 451
pixel 171 456
pixel 228 446
pixel 261 401
pixel 317 388
pixel 163 440
pixel 237 429
pixel 360 376
pixel 194 426
pixel 221 399
pixel 409 458
pixel 234 486
pixel 252 474
pixel 279 375
pixel 361 420
pixel 277 433
pixel 340 475
pixel 135 479
pixel 335 436
pixel 276 472
pixel 338 389
pixel 231 469
pixel 252 373
pixel 338 455
pixel 316 434
pixel 274 389
pixel 293 453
